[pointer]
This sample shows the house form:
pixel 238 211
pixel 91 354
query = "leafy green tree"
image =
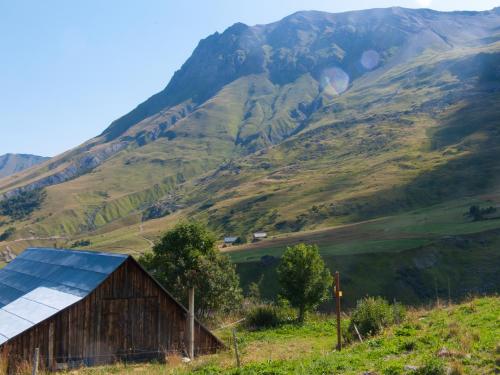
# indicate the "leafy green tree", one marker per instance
pixel 187 257
pixel 303 277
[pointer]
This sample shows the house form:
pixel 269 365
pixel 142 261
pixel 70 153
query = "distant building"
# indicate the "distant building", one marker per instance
pixel 89 308
pixel 230 240
pixel 257 236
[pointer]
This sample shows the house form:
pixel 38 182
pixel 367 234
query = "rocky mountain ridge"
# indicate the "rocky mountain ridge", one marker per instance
pixel 315 95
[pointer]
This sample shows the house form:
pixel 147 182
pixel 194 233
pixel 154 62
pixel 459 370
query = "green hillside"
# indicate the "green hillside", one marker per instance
pixel 462 338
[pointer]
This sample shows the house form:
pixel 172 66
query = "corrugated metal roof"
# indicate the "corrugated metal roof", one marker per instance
pixel 41 282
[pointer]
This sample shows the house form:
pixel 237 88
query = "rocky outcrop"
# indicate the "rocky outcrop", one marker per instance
pixel 162 208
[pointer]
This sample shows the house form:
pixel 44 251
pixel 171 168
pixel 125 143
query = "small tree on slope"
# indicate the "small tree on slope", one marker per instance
pixel 303 277
pixel 186 257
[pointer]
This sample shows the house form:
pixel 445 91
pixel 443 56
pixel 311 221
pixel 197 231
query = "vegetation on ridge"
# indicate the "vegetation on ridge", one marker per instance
pixel 185 258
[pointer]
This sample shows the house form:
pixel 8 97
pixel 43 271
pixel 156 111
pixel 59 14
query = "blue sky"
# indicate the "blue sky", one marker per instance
pixel 69 68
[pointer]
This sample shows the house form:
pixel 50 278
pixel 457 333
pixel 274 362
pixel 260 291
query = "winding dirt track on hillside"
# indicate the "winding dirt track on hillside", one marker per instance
pixel 141 230
pixel 40 239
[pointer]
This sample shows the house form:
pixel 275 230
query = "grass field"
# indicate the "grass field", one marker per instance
pixel 388 234
pixel 463 337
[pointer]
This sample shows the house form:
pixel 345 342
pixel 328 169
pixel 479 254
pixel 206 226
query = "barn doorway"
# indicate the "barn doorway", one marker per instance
pixel 129 329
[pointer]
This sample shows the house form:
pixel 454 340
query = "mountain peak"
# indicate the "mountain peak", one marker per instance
pixel 13 163
pixel 237 27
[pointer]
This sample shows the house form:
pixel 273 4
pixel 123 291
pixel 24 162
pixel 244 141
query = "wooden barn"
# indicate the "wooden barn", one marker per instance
pixel 88 308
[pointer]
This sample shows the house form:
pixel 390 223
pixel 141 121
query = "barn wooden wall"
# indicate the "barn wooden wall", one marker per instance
pixel 128 317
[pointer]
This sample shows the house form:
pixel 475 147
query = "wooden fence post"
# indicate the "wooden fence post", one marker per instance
pixel 338 294
pixel 357 332
pixel 191 323
pixel 235 343
pixel 36 360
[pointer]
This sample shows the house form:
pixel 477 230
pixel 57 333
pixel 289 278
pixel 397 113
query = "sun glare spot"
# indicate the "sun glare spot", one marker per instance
pixel 370 59
pixel 335 81
pixel 424 3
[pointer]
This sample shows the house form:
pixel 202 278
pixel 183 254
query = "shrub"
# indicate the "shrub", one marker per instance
pixel 268 316
pixel 81 243
pixel 431 367
pixel 398 312
pixel 347 335
pixel 373 314
pixel 393 370
pixel 407 346
pixel 7 234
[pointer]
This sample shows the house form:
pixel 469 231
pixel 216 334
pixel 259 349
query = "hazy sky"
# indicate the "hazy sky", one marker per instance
pixel 68 68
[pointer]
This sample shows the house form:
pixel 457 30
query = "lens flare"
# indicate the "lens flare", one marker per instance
pixel 370 59
pixel 334 81
pixel 424 3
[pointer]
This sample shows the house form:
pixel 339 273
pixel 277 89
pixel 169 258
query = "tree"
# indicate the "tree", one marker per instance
pixel 187 257
pixel 23 204
pixel 303 277
pixel 7 234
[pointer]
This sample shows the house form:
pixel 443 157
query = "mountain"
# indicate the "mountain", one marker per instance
pixel 313 121
pixel 14 163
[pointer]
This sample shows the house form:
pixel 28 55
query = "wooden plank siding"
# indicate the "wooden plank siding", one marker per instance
pixel 128 317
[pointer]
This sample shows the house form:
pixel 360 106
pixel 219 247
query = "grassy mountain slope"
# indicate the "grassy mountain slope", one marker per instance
pixel 314 121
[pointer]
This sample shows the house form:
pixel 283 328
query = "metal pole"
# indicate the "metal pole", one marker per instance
pixel 191 323
pixel 36 359
pixel 337 304
pixel 235 342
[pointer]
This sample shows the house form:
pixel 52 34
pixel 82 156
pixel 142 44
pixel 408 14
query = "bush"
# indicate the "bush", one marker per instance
pixel 393 370
pixel 348 336
pixel 398 312
pixel 268 316
pixel 81 243
pixel 407 346
pixel 432 367
pixel 7 234
pixel 373 314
